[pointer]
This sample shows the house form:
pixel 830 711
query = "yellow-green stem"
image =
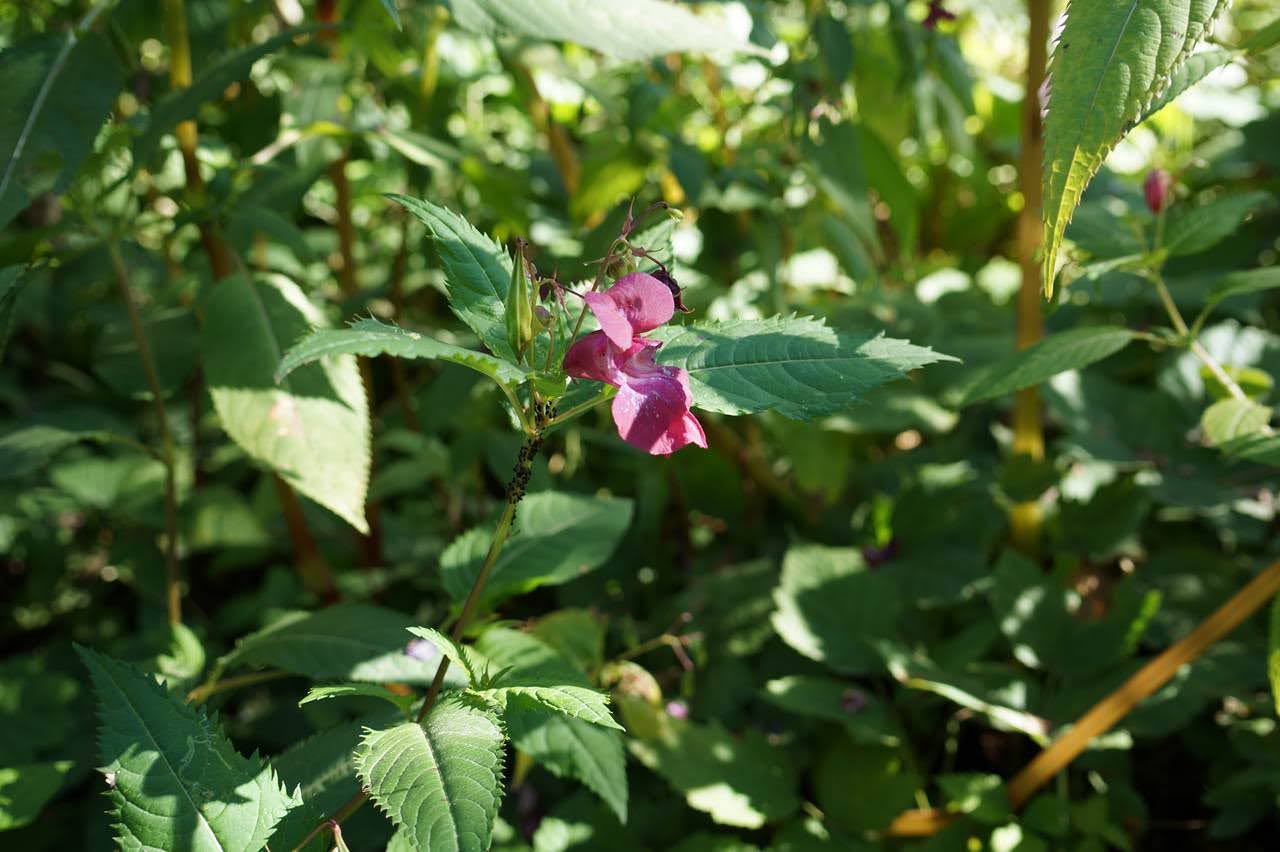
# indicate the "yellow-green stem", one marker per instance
pixel 1025 518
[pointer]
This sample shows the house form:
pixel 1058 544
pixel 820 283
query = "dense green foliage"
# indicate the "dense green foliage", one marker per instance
pixel 287 289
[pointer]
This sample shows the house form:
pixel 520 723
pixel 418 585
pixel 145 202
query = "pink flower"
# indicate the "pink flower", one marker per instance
pixel 651 409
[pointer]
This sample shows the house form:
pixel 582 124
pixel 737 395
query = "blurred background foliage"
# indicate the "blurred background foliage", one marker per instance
pixel 853 636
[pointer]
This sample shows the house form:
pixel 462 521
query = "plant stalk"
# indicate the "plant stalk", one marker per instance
pixel 1025 518
pixel 515 493
pixel 172 580
pixel 1115 706
pixel 174 13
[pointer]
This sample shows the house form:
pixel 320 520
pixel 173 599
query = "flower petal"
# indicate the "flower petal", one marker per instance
pixel 651 409
pixel 593 357
pixel 613 322
pixel 645 301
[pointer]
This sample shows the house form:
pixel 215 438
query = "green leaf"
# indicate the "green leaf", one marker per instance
pixel 831 607
pixel 979 796
pixel 1057 353
pixel 58 90
pixel 393 11
pixel 578 634
pixel 440 781
pixel 1196 68
pixel 182 104
pixel 27 448
pixel 359 690
pixel 314 432
pixel 863 715
pixel 25 790
pixel 1110 63
pixel 534 671
pixel 347 641
pixel 796 366
pixel 741 781
pixel 559 537
pixel 458 654
pixel 1194 229
pixel 477 271
pixel 176 781
pixel 370 337
pixel 1231 419
pixel 576 702
pixel 625 29
pixel 572 748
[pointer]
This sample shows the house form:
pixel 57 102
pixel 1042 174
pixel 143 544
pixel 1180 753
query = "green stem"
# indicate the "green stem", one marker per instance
pixel 213 686
pixel 1197 349
pixel 173 589
pixel 515 492
pixel 581 408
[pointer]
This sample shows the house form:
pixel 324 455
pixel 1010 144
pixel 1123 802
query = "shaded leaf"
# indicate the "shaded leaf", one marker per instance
pixel 559 537
pixel 58 90
pixel 572 748
pixel 1057 353
pixel 349 641
pixel 1194 229
pixel 25 790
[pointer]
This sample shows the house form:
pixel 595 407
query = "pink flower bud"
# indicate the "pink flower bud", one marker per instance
pixel 1156 188
pixel 677 710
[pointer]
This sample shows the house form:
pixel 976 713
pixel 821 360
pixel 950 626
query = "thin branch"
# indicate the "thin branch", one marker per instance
pixel 172 581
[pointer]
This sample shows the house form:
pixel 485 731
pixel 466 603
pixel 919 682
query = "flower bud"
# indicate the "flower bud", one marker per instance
pixel 542 316
pixel 519 304
pixel 1157 188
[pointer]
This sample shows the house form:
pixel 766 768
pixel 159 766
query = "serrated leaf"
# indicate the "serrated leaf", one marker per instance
pixel 576 702
pixel 358 690
pixel 558 538
pixel 25 790
pixel 1194 229
pixel 182 104
pixel 572 748
pixel 1057 353
pixel 176 780
pixel 1196 68
pixel 1111 62
pixel 477 272
pixel 739 780
pixel 440 781
pixel 534 671
pixel 314 431
pixel 626 29
pixel 458 654
pixel 371 338
pixel 796 366
pixel 350 641
pixel 832 608
pixel 58 90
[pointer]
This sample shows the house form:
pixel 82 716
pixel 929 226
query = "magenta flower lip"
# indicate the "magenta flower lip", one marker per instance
pixel 651 409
